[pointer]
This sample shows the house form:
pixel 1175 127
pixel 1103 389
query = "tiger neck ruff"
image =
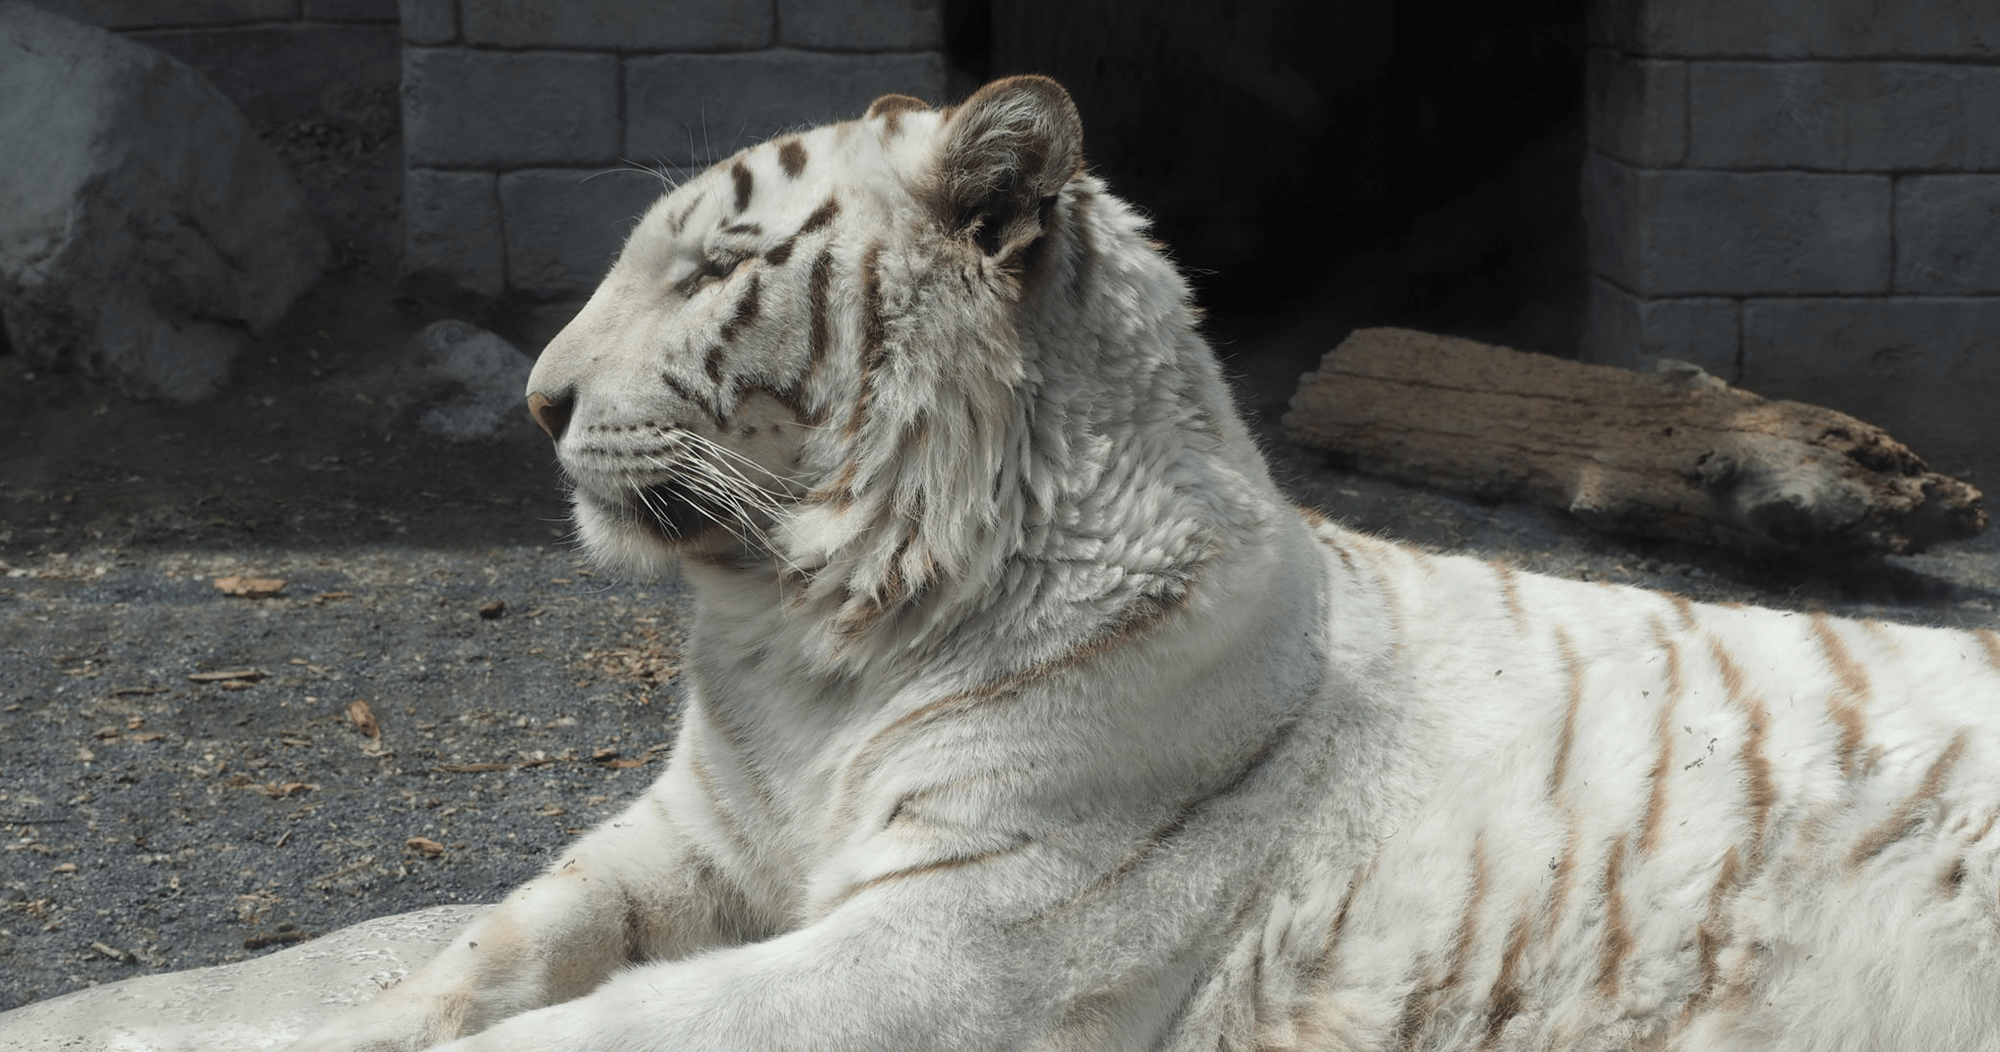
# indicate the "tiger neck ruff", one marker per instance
pixel 1024 712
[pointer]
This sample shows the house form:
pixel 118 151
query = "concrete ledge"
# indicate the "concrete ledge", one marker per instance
pixel 1688 233
pixel 620 25
pixel 429 21
pixel 258 1005
pixel 1844 116
pixel 1948 234
pixel 1633 333
pixel 451 228
pixel 488 109
pixel 282 72
pixel 564 226
pixel 1798 28
pixel 139 14
pixel 862 25
pixel 1637 109
pixel 696 109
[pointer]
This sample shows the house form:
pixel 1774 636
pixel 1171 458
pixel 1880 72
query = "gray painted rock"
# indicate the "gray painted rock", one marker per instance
pixel 145 232
pixel 249 1007
pixel 487 378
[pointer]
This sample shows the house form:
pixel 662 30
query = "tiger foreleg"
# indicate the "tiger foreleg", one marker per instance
pixel 553 939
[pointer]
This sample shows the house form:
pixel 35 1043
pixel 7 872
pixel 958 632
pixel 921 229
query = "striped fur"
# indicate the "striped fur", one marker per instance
pixel 1025 713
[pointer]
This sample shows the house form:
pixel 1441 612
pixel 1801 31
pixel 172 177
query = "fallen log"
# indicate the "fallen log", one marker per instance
pixel 1674 454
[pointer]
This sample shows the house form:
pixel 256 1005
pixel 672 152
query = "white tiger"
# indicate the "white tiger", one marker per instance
pixel 1025 713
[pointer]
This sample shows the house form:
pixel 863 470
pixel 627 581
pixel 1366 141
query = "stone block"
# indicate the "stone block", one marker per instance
pixel 696 109
pixel 148 14
pixel 481 109
pixel 1948 234
pixel 1892 359
pixel 429 22
pixel 1844 116
pixel 565 226
pixel 1797 28
pixel 146 231
pixel 625 25
pixel 862 25
pixel 1688 233
pixel 1636 109
pixel 350 10
pixel 1626 331
pixel 283 72
pixel 451 229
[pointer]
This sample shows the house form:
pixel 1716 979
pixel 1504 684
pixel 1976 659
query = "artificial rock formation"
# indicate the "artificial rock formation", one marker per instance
pixel 146 233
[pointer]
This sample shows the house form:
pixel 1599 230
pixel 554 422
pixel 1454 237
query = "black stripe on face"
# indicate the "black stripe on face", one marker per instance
pixel 792 156
pixel 821 216
pixel 747 308
pixel 744 184
pixel 819 288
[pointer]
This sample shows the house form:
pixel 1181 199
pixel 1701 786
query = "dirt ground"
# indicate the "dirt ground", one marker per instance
pixel 442 693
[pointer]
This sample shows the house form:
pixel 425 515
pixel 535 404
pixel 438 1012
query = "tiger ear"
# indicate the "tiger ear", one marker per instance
pixel 1008 150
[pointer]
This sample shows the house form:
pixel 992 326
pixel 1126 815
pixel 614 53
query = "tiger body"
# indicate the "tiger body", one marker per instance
pixel 1024 711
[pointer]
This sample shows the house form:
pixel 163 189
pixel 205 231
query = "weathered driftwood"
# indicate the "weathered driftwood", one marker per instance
pixel 1676 454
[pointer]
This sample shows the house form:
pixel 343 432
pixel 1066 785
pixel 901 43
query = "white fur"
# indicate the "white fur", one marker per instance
pixel 1027 714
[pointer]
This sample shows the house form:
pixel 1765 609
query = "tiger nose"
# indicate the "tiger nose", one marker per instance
pixel 552 413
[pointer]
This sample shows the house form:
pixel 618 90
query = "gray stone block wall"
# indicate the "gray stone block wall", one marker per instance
pixel 535 133
pixel 275 59
pixel 1799 195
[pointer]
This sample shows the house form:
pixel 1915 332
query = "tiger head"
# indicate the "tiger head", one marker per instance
pixel 820 357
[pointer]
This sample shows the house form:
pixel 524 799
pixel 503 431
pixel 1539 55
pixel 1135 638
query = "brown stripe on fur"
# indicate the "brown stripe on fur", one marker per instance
pixel 744 184
pixel 732 736
pixel 873 329
pixel 747 307
pixel 1844 704
pixel 1712 934
pixel 1324 965
pixel 1684 607
pixel 1567 739
pixel 924 869
pixel 1159 835
pixel 1310 514
pixel 839 492
pixel 1617 929
pixel 1504 1002
pixel 1564 877
pixel 1468 919
pixel 1510 593
pixel 1144 614
pixel 1990 641
pixel 711 363
pixel 678 221
pixel 743 228
pixel 780 253
pixel 1904 821
pixel 792 157
pixel 705 778
pixel 1953 878
pixel 1762 789
pixel 1985 828
pixel 820 217
pixel 1653 820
